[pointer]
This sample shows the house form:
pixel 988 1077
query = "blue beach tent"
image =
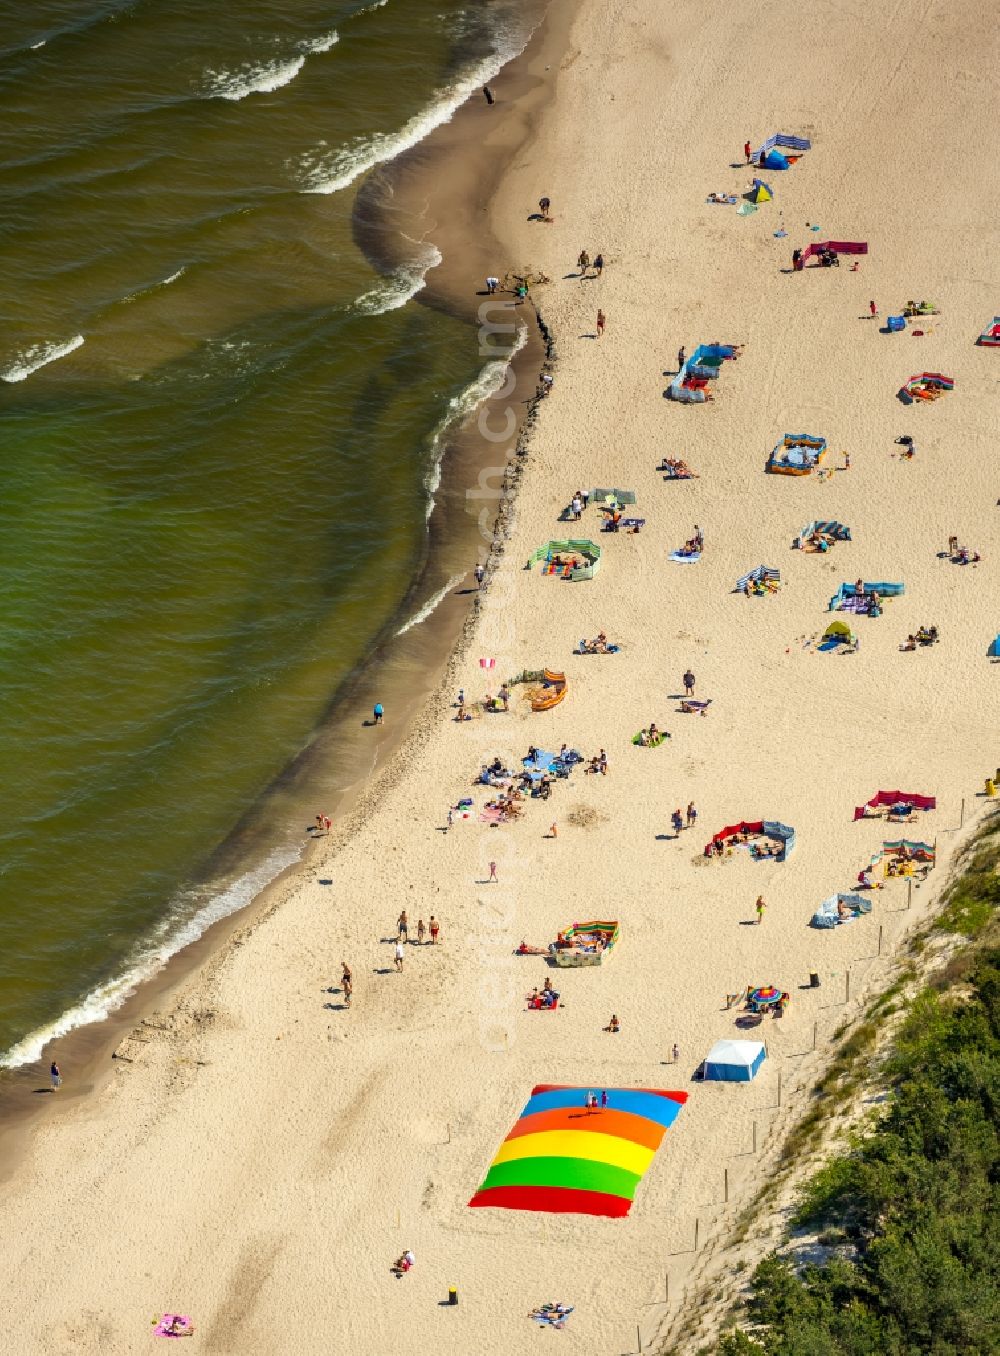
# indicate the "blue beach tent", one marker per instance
pixel 734 1061
pixel 994 650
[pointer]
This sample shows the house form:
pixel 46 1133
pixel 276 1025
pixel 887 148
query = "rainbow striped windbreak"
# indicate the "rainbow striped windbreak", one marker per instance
pixel 566 1159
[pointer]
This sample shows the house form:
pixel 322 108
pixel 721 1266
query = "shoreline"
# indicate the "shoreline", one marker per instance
pixel 435 643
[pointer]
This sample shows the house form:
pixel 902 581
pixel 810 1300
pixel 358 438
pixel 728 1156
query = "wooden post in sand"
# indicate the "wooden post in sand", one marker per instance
pixel 638 1340
pixel 697 1223
pixel 909 891
pixel 879 951
pixel 725 1186
pixel 666 1287
pixel 814 1033
pixel 961 818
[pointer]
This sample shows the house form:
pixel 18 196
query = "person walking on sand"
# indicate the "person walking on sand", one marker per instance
pixel 676 1052
pixel 873 308
pixel 480 573
pixel 402 927
pixel 492 285
pixel 598 265
pixel 688 681
pixel 379 713
pixel 601 321
pixel 553 831
pixel 746 151
pixel 421 932
pixel 543 207
pixel 346 983
pixel 55 1076
pixel 681 358
pixel 760 906
pixel 435 928
pixel 583 263
pixel 692 814
pixel 493 874
pixel 398 958
pixel 604 1099
pixel 699 538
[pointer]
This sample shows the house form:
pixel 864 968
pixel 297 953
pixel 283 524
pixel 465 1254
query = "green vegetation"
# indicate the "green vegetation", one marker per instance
pixel 972 900
pixel 909 1216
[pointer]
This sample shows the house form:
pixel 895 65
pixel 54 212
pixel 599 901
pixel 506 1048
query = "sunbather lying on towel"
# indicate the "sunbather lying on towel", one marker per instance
pixel 690 707
pixel 174 1325
pixel 722 197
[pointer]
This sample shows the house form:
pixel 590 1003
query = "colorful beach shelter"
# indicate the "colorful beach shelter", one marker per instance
pixel 994 650
pixel 568 1156
pixel 760 192
pixel 990 337
pixel 734 1061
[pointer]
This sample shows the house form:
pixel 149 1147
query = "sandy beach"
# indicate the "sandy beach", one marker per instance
pixel 261 1155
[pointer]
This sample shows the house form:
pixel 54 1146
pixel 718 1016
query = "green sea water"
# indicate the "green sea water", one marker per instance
pixel 217 426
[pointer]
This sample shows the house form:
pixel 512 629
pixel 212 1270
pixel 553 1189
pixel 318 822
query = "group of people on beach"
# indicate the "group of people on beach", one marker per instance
pixel 584 265
pixel 925 635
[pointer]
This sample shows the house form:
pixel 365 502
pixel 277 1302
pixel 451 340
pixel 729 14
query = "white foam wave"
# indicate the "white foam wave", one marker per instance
pixel 163 282
pixel 170 937
pixel 38 355
pixel 340 171
pixel 35 45
pixel 396 290
pixel 489 381
pixel 248 79
pixel 321 44
pixel 431 605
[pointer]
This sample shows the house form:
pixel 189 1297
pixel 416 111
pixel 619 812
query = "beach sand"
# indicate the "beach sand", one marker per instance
pixel 261 1156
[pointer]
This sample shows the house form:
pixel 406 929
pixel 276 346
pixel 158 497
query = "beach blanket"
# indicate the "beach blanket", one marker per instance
pixel 661 735
pixel 161 1329
pixel 683 559
pixel 565 1155
pixel 552 1315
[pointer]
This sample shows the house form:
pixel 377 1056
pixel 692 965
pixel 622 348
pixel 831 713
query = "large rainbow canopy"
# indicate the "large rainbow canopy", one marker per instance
pixel 566 1158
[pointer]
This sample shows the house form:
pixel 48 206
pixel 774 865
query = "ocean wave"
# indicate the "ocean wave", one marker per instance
pixel 399 287
pixel 266 76
pixel 431 605
pixel 489 381
pixel 39 355
pixel 323 175
pixel 171 936
pixel 321 44
pixel 248 79
pixel 152 287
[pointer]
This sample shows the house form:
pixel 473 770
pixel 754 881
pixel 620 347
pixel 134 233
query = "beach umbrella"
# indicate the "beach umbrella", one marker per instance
pixel 765 996
pixel 487 663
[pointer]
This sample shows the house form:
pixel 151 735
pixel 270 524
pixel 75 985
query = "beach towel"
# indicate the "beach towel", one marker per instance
pixel 552 1315
pixel 161 1328
pixel 682 559
pixel 661 735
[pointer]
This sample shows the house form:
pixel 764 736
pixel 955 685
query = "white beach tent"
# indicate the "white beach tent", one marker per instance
pixel 734 1061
